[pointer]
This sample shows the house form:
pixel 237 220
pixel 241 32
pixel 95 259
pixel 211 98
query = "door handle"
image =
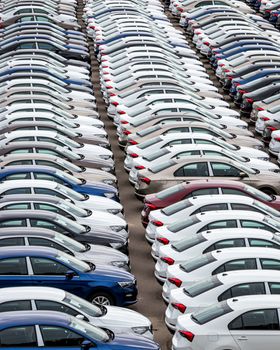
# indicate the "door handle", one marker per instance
pixel 242 338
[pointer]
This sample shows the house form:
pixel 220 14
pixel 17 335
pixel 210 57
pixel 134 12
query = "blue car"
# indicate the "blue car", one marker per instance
pixel 55 330
pixel 43 266
pixel 36 172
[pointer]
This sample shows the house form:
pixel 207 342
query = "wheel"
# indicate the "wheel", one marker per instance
pixel 268 190
pixel 102 298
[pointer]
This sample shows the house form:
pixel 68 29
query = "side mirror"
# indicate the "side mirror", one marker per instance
pixel 86 345
pixel 242 174
pixel 69 275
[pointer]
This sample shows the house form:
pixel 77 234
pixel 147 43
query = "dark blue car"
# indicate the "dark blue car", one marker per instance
pixel 43 266
pixel 56 330
pixel 36 172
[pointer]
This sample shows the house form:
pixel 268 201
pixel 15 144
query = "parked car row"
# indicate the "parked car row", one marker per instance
pixel 268 9
pixel 206 228
pixel 64 265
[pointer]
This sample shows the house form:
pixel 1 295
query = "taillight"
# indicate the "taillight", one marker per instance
pixel 163 240
pixel 146 180
pixel 157 223
pixel 207 43
pixel 121 112
pixel 272 128
pixel 260 109
pixel 105 73
pixel 126 132
pixel 114 103
pixel 180 9
pixel 112 94
pixel 151 206
pixel 124 122
pixel 109 87
pixel 180 307
pixel 227 70
pixel 242 91
pixel 277 138
pixel 132 142
pixel 250 100
pixel 133 155
pixel 175 281
pixel 167 260
pixel 265 119
pixel 188 335
pixel 139 167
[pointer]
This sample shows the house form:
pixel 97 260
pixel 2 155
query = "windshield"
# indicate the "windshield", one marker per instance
pixel 70 243
pixel 83 305
pixel 259 194
pixel 197 262
pixel 223 144
pixel 157 154
pixel 266 209
pixel 189 242
pixel 69 224
pixel 68 177
pixel 174 208
pixel 149 143
pixel 67 141
pixel 67 165
pixel 89 330
pixel 202 286
pixel 272 222
pixel 210 313
pixel 73 262
pixel 182 224
pixel 70 193
pixel 169 191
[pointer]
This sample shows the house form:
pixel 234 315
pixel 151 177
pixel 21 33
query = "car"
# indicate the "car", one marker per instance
pixel 121 321
pixel 190 189
pixel 51 267
pixel 274 143
pixel 236 318
pixel 46 187
pixel 207 241
pixel 48 173
pixel 40 328
pixel 218 288
pixel 174 171
pixel 210 221
pixel 222 260
pixel 33 236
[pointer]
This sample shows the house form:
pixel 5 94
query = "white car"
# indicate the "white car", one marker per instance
pixel 119 320
pixel 272 114
pixel 197 296
pixel 239 323
pixel 210 221
pixel 87 202
pixel 222 260
pixel 207 241
pixel 274 145
pixel 182 151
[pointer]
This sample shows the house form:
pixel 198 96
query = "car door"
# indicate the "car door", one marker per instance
pixel 225 171
pixel 18 338
pixel 14 272
pixel 192 171
pixel 51 273
pixel 256 329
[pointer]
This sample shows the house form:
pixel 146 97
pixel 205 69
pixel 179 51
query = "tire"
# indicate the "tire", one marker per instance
pixel 268 190
pixel 102 298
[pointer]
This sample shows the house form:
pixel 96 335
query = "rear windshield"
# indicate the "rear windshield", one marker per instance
pixel 157 168
pixel 197 262
pixel 202 286
pixel 210 313
pixel 170 191
pixel 182 224
pixel 174 208
pixel 189 242
pixel 149 143
pixel 148 131
pixel 157 154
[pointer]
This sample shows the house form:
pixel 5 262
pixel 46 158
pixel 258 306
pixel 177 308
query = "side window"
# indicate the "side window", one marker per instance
pixel 194 169
pixel 203 192
pixel 13 223
pixel 54 306
pixel 18 337
pixel 222 169
pixel 254 242
pixel 256 320
pixel 256 225
pixel 178 142
pixel 13 266
pixel 16 306
pixel 203 142
pixel 232 191
pixel 48 191
pixel 11 241
pixel 187 153
pixel 17 191
pixel 42 242
pixel 39 176
pixel 176 130
pixel 270 264
pixel 17 206
pixel 42 266
pixel 219 224
pixel 47 163
pixel 21 162
pixel 243 289
pixel 47 224
pixel 59 337
pixel 22 176
pixel 226 243
pixel 49 207
pixel 239 206
pixel 274 287
pixel 239 264
pixel 211 207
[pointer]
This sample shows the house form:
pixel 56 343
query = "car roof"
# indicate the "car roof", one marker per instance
pixel 254 302
pixel 27 251
pixel 29 168
pixel 30 198
pixel 230 214
pixel 244 276
pixel 27 293
pixel 17 318
pixel 27 231
pixel 243 252
pixel 237 232
pixel 219 198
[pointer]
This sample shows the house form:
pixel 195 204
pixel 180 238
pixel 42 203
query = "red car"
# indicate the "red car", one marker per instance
pixel 202 187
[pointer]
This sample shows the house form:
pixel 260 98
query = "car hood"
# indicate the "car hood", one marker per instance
pixel 134 342
pixel 113 272
pixel 129 318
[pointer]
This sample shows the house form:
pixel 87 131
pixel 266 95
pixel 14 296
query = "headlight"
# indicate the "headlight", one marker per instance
pixel 141 330
pixel 105 157
pixel 116 228
pixel 114 211
pixel 242 126
pixel 109 182
pixel 106 169
pixel 264 158
pixel 116 245
pixel 260 147
pixel 126 284
pixel 109 195
pixel 119 263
